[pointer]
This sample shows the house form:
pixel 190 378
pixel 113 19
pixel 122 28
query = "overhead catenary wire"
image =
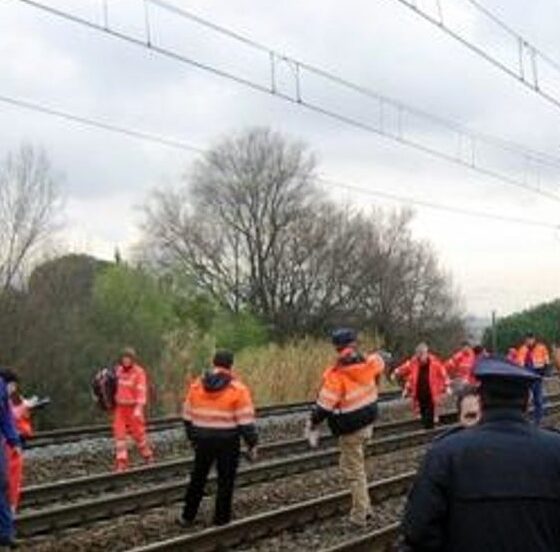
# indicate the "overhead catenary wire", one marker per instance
pixel 96 123
pixel 529 77
pixel 324 179
pixel 470 160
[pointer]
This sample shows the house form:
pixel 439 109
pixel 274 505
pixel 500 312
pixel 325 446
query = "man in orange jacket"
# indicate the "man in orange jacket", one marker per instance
pixel 218 412
pixel 426 382
pixel 348 401
pixel 460 367
pixel 21 413
pixel 534 356
pixel 130 404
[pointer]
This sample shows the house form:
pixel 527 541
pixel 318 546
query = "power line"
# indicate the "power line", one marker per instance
pixel 95 123
pixel 438 206
pixel 528 70
pixel 177 144
pixel 469 151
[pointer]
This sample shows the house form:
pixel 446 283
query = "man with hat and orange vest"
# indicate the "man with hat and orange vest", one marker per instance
pixel 534 356
pixel 348 401
pixel 218 412
pixel 130 403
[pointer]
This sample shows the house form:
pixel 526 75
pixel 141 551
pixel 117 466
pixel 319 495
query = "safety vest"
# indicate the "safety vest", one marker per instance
pixel 224 409
pixel 131 386
pixel 22 418
pixel 461 365
pixel 539 354
pixel 349 391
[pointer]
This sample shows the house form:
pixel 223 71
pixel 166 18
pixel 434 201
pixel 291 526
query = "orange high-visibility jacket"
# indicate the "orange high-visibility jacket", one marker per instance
pixel 131 386
pixel 22 418
pixel 538 358
pixel 438 378
pixel 461 365
pixel 348 394
pixel 217 405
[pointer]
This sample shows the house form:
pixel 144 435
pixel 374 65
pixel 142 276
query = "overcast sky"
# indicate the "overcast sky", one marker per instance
pixel 376 43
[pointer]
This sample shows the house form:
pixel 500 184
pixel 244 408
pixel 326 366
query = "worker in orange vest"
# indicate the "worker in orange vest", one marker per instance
pixel 218 411
pixel 21 413
pixel 130 405
pixel 534 356
pixel 348 401
pixel 426 382
pixel 460 367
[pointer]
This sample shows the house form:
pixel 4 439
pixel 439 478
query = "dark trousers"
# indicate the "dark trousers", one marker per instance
pixel 6 520
pixel 538 398
pixel 225 453
pixel 426 411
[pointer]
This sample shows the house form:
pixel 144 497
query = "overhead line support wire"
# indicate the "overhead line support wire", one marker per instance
pixel 537 157
pixel 523 45
pixel 176 144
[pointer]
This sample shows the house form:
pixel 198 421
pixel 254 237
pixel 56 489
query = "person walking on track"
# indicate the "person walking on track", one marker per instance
pixel 218 412
pixel 8 432
pixel 348 401
pixel 492 487
pixel 129 413
pixel 426 382
pixel 534 356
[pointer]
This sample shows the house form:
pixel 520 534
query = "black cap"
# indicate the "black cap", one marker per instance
pixel 343 336
pixel 223 359
pixel 501 369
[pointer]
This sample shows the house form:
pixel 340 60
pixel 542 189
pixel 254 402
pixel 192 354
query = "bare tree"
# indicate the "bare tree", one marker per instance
pixel 28 204
pixel 251 228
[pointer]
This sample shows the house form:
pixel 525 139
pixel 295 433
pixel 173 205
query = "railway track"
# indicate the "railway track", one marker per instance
pixel 83 511
pixel 256 527
pixel 72 434
pixel 39 495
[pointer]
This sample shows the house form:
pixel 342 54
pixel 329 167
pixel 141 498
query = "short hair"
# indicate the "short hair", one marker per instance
pixel 500 392
pixel 422 348
pixel 223 359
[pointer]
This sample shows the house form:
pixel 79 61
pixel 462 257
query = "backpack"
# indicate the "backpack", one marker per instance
pixel 104 388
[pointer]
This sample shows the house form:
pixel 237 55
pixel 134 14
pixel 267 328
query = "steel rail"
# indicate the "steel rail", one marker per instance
pixel 85 511
pixel 37 495
pixel 70 434
pixel 40 521
pixel 253 528
pixel 381 540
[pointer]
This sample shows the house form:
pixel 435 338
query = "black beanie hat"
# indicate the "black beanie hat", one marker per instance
pixel 223 359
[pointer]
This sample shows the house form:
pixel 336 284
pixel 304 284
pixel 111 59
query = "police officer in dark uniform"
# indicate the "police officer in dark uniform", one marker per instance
pixel 492 487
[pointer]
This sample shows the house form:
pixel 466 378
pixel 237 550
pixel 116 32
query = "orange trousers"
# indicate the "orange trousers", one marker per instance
pixel 15 475
pixel 124 424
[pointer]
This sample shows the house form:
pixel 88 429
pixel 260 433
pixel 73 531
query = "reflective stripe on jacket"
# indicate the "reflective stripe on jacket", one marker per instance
pixel 131 386
pixel 539 354
pixel 226 411
pixel 348 394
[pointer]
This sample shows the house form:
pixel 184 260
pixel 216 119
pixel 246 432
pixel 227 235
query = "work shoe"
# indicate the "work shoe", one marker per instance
pixel 184 523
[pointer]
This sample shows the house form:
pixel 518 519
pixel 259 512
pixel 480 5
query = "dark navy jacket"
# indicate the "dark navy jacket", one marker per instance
pixel 7 425
pixel 491 488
